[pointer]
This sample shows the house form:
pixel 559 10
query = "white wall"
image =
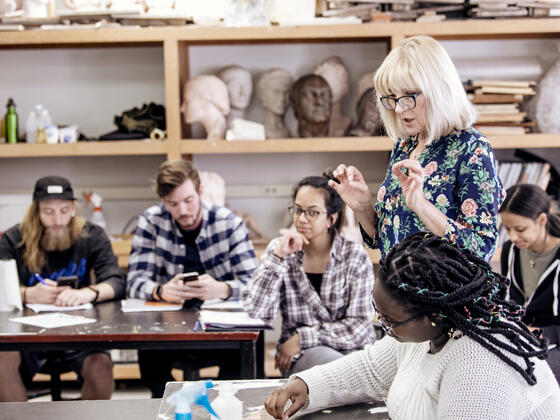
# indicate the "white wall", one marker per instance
pixel 89 86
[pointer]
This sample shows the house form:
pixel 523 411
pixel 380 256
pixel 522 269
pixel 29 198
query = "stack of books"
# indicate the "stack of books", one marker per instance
pixel 512 173
pixel 497 103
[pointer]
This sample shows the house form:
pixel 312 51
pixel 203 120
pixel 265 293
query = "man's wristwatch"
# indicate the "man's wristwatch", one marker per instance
pixel 158 292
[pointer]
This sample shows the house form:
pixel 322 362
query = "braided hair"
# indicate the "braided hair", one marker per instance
pixel 458 290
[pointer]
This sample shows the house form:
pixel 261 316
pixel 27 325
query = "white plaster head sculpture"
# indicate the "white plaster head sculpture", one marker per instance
pixel 365 83
pixel 273 92
pixel 337 76
pixel 547 101
pixel 206 100
pixel 240 88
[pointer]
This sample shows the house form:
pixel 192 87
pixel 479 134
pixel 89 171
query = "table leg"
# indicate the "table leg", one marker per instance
pixel 248 360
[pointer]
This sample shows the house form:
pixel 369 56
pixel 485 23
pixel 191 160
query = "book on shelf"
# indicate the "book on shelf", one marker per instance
pixel 500 130
pixel 508 90
pixel 505 83
pixel 504 117
pixel 495 98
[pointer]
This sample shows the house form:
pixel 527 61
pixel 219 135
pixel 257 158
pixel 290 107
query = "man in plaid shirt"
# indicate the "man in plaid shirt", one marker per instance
pixel 183 234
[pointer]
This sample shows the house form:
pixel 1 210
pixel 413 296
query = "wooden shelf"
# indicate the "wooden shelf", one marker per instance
pixel 470 28
pixel 86 148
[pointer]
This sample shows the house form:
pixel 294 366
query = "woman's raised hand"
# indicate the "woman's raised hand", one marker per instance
pixel 352 188
pixel 410 175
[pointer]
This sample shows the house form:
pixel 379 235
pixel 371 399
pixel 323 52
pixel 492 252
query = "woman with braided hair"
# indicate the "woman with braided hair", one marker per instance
pixel 531 261
pixel 455 347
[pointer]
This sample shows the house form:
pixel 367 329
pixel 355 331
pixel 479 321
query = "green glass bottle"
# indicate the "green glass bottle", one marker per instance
pixel 11 123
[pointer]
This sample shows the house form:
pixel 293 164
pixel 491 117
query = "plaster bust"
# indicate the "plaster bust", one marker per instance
pixel 86 4
pixel 206 100
pixel 311 98
pixel 273 92
pixel 240 88
pixel 365 83
pixel 369 120
pixel 337 76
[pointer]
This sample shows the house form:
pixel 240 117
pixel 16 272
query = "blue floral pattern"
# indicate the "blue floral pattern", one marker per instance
pixel 461 181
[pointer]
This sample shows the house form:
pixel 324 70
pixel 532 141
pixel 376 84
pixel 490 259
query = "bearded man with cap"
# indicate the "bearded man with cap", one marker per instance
pixel 52 241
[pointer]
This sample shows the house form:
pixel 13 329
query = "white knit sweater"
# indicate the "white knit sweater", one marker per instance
pixel 462 381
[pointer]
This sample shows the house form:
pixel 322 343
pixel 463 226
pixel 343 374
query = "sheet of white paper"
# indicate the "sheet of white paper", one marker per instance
pixel 53 320
pixel 140 305
pixel 10 297
pixel 44 307
pixel 220 304
pixel 229 319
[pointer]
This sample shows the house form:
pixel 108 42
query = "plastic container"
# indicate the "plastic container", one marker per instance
pixel 226 404
pixel 32 124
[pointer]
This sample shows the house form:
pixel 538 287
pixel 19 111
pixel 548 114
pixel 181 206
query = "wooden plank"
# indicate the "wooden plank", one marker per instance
pixel 172 100
pixel 84 148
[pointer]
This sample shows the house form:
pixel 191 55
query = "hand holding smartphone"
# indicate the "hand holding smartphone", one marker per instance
pixel 192 276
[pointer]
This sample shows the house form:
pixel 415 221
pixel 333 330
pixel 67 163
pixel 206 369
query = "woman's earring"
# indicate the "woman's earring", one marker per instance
pixel 433 324
pixel 73 214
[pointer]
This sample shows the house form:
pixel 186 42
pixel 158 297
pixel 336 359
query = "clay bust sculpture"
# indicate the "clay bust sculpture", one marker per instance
pixel 369 120
pixel 337 76
pixel 206 100
pixel 240 88
pixel 311 98
pixel 273 91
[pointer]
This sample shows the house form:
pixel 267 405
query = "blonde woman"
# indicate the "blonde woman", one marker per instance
pixel 442 172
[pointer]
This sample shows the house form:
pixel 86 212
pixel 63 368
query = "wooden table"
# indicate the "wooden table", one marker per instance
pixel 116 329
pixel 254 393
pixel 83 410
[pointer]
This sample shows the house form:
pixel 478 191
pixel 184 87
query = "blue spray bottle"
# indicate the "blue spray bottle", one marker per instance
pixel 195 393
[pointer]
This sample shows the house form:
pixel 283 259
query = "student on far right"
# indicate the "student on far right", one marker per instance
pixel 531 260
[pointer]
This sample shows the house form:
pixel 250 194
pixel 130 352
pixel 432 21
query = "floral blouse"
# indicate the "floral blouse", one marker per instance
pixel 461 181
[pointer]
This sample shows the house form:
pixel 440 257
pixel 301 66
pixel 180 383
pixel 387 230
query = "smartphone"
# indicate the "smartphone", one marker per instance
pixel 71 281
pixel 328 174
pixel 192 276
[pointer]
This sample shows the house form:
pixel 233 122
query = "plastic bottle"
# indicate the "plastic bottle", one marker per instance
pixel 195 393
pixel 43 121
pixel 226 404
pixel 11 123
pixel 32 123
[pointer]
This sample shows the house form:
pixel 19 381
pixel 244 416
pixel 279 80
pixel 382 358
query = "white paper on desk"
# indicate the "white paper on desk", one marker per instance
pixel 53 320
pixel 222 319
pixel 45 307
pixel 232 305
pixel 140 305
pixel 10 297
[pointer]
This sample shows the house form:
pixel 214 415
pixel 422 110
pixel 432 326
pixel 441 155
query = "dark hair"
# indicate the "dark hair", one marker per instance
pixel 333 202
pixel 529 200
pixel 457 290
pixel 172 174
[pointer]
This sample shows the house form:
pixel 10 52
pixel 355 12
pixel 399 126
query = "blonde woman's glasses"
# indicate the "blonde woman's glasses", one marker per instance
pixel 406 102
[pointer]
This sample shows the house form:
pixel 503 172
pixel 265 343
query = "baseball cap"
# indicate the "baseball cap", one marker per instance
pixel 51 188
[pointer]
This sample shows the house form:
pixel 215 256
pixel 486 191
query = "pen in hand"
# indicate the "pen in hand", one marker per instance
pixel 41 279
pixel 196 326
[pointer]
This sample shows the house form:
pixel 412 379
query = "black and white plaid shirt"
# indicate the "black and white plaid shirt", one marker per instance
pixel 158 250
pixel 341 317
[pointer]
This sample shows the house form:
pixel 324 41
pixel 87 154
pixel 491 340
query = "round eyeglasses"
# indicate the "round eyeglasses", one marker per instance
pixel 311 215
pixel 390 326
pixel 406 102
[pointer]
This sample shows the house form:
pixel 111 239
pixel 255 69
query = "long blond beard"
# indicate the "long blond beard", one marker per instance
pixel 57 241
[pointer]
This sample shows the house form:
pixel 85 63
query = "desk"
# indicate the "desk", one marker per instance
pixel 116 329
pixel 256 394
pixel 83 410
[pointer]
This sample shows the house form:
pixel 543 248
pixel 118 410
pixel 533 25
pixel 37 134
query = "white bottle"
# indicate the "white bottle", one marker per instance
pixel 226 404
pixel 32 123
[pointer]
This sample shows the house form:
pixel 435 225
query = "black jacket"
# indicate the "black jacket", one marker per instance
pixel 92 251
pixel 542 309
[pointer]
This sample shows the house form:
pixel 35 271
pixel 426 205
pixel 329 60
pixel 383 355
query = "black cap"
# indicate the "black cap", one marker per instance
pixel 51 188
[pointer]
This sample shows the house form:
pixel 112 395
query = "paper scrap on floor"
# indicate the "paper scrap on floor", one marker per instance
pixel 232 320
pixel 45 307
pixel 53 320
pixel 140 305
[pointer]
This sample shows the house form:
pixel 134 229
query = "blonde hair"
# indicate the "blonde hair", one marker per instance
pixel 421 64
pixel 32 231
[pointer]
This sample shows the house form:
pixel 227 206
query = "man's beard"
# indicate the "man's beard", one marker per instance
pixel 57 240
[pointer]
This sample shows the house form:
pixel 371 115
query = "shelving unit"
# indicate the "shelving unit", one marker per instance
pixel 176 41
